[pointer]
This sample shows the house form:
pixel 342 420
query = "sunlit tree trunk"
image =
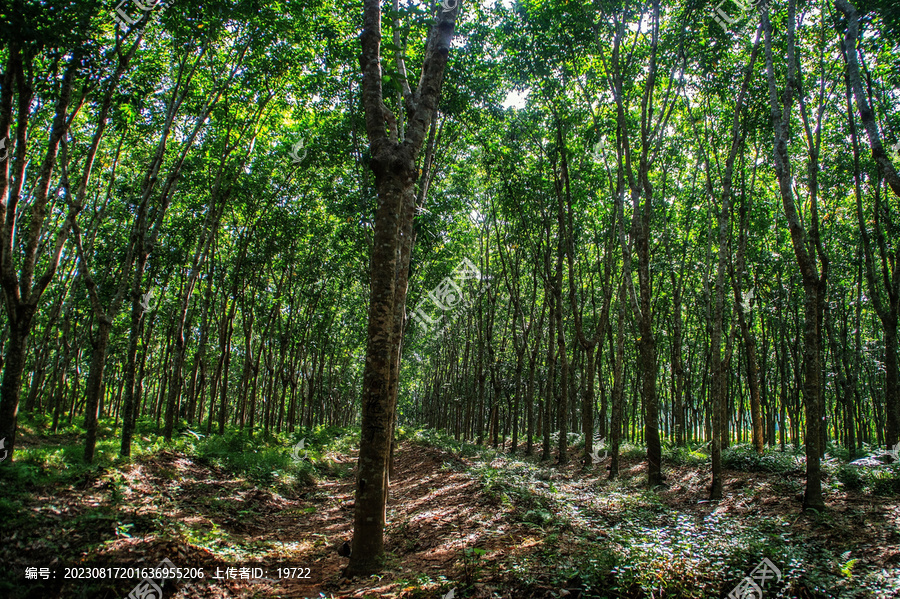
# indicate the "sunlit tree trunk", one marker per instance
pixel 805 250
pixel 887 304
pixel 393 164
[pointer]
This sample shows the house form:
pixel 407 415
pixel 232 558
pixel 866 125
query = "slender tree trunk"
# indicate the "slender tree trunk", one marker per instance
pixel 719 379
pixel 813 282
pixel 551 375
pixel 94 387
pixel 677 363
pixel 618 391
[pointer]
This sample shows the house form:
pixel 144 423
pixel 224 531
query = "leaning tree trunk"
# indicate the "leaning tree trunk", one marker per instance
pixel 888 308
pixel 22 293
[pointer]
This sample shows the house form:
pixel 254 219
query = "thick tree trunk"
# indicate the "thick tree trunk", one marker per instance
pixel 13 367
pixel 371 492
pixel 393 164
pixel 815 411
pixel 647 348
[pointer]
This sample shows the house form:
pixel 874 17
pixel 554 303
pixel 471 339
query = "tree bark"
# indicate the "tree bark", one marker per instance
pixel 813 282
pixel 886 302
pixel 618 391
pixel 21 292
pixel 393 164
pixel 867 115
pixel 94 386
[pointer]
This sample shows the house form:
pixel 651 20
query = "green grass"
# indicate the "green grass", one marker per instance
pixel 58 458
pixel 626 542
pixel 617 539
pixel 743 457
pixel 47 467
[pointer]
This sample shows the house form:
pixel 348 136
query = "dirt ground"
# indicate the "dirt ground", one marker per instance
pixel 436 511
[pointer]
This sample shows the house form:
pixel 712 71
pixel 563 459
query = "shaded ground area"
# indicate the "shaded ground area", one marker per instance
pixel 481 524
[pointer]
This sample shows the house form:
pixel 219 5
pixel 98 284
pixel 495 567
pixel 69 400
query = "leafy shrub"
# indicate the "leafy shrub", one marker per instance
pixel 850 477
pixel 254 458
pixel 633 452
pixel 885 481
pixel 882 480
pixel 744 458
pixel 685 456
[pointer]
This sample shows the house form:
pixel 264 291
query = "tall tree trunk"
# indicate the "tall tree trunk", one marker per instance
pixel 647 343
pixel 94 387
pixel 618 390
pixel 886 302
pixel 677 363
pixel 393 164
pixel 813 282
pixel 21 292
pixel 13 367
pixel 210 228
pixel 551 377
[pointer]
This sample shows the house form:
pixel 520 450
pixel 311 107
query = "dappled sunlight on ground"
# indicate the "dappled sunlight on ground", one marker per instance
pixel 494 526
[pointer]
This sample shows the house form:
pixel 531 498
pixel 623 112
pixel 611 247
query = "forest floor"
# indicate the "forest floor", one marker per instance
pixel 474 521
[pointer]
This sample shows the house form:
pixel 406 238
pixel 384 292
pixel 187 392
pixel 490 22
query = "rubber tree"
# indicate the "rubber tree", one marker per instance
pixel 393 164
pixel 32 241
pixel 886 302
pixel 808 250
